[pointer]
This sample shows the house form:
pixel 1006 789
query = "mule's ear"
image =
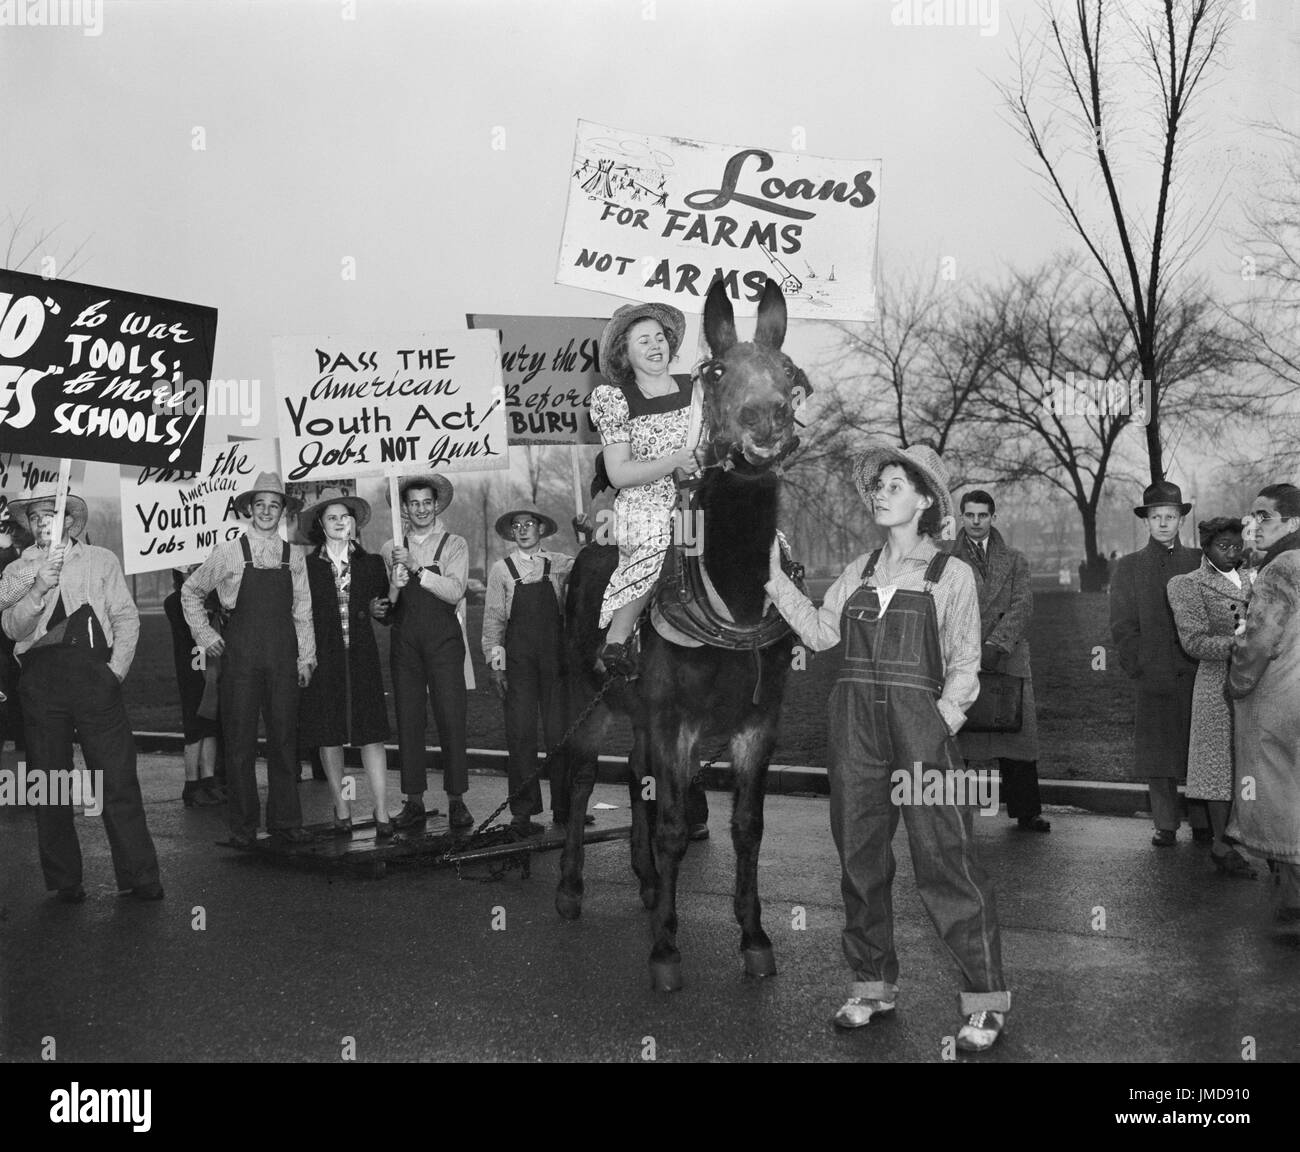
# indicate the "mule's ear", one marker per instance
pixel 770 331
pixel 719 319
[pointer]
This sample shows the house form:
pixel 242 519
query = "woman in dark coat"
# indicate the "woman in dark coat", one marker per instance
pixel 344 703
pixel 201 731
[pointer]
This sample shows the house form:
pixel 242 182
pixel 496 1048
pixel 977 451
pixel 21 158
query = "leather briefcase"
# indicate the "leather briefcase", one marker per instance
pixel 1000 706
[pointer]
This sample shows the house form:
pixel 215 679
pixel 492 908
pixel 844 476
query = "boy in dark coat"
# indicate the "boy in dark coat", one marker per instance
pixel 1142 626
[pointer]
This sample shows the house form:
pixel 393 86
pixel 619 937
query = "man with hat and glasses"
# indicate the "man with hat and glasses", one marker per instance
pixel 69 610
pixel 431 568
pixel 1164 676
pixel 268 652
pixel 523 644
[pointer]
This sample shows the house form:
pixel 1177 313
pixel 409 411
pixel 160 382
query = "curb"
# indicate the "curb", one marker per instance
pixel 1097 796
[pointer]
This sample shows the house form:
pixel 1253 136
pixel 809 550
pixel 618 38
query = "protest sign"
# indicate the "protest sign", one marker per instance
pixel 21 472
pixel 660 218
pixel 549 365
pixel 171 518
pixel 97 374
pixel 372 405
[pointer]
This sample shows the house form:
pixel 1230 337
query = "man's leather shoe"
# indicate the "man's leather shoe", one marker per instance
pixel 72 894
pixel 524 829
pixel 412 815
pixel 1033 824
pixel 292 836
pixel 242 839
pixel 457 814
pixel 152 891
pixel 1164 838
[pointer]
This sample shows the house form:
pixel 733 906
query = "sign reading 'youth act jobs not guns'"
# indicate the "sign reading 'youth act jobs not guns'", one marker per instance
pixel 92 373
pixel 388 405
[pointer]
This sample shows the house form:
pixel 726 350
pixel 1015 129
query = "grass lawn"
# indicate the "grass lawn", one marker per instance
pixel 1085 717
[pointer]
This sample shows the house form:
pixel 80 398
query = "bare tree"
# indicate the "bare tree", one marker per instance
pixel 25 243
pixel 1088 54
pixel 1067 385
pixel 1270 314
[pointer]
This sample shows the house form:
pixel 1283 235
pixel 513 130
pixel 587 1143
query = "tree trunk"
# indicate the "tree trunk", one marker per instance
pixel 1094 573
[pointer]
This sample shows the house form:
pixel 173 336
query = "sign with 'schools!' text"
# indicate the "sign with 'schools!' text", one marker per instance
pixel 371 405
pixel 97 374
pixel 549 365
pixel 659 218
pixel 172 518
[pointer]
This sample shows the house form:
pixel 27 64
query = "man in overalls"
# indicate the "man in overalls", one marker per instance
pixel 428 649
pixel 268 652
pixel 908 616
pixel 523 643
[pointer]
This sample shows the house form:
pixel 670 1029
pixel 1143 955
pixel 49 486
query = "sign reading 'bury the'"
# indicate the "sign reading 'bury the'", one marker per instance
pixel 366 405
pixel 660 218
pixel 98 374
pixel 549 365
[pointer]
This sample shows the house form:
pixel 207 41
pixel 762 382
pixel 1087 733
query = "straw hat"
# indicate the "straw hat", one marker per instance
pixel 670 319
pixel 442 489
pixel 920 456
pixel 549 527
pixel 43 498
pixel 266 482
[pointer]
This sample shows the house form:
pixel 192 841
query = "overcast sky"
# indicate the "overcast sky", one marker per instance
pixel 371 138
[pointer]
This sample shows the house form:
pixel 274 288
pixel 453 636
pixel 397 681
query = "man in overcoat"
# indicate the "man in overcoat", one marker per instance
pixel 1142 626
pixel 1006 608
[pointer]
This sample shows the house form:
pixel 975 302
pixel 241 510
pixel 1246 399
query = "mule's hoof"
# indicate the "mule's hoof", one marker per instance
pixel 568 906
pixel 649 897
pixel 666 975
pixel 759 961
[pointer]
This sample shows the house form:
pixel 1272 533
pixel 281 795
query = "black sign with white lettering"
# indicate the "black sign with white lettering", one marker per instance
pixel 97 374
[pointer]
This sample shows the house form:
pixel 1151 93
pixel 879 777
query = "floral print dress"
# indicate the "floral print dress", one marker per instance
pixel 654 427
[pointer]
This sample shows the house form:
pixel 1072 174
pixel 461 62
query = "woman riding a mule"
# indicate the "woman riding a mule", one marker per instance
pixel 644 418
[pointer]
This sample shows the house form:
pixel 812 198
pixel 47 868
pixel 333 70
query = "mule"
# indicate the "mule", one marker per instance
pixel 734 683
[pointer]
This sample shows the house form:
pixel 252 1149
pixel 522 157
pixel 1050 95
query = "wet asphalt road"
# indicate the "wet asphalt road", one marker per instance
pixel 290 963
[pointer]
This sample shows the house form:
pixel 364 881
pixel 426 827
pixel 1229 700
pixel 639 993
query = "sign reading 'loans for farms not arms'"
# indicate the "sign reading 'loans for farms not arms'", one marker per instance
pixel 97 374
pixel 659 218
pixel 171 518
pixel 370 405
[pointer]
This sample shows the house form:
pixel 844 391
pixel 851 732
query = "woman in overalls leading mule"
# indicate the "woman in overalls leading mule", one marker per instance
pixel 908 614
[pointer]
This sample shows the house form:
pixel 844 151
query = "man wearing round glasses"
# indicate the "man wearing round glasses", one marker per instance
pixel 523 643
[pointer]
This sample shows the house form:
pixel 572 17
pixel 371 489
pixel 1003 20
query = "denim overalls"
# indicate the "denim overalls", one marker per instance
pixel 885 725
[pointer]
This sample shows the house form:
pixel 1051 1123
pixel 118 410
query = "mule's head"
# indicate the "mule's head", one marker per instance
pixel 749 387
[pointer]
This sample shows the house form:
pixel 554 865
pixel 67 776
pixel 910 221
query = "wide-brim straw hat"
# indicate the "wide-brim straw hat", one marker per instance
pixel 266 482
pixel 920 456
pixel 1162 494
pixel 75 511
pixel 359 508
pixel 549 526
pixel 442 489
pixel 670 319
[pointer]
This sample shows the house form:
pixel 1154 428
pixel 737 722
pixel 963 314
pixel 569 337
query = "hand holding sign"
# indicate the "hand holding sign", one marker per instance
pixel 49 573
